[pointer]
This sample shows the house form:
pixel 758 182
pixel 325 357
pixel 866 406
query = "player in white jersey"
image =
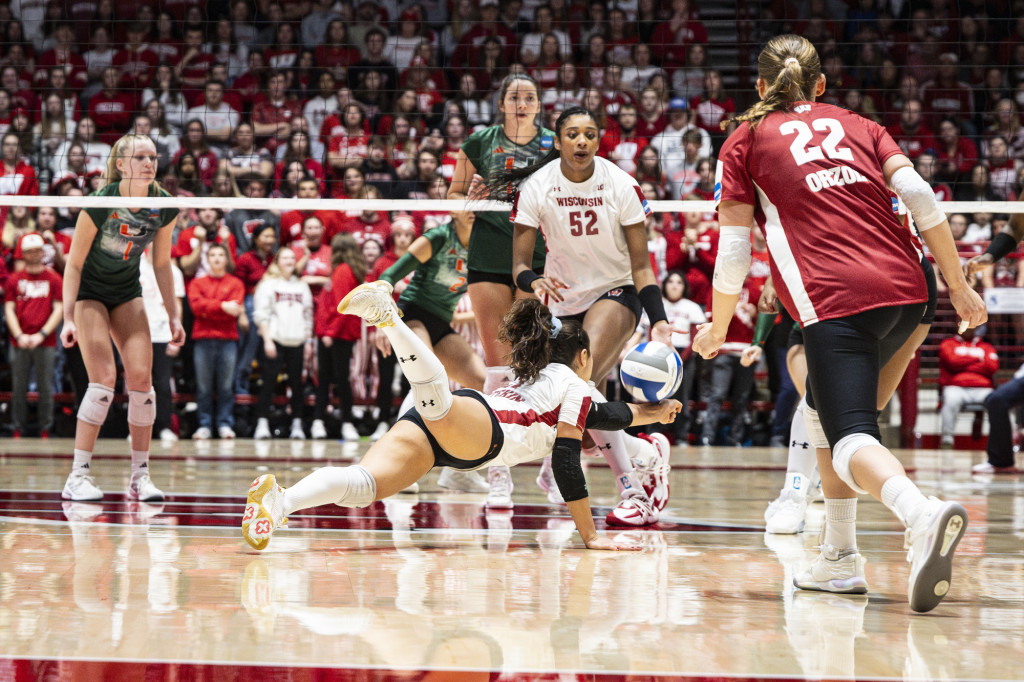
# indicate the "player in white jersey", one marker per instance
pixel 542 413
pixel 598 271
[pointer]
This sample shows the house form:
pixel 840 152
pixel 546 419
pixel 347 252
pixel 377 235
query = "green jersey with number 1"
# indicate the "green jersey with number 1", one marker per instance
pixel 111 270
pixel 490 150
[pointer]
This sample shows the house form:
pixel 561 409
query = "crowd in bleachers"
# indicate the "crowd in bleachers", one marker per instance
pixel 372 99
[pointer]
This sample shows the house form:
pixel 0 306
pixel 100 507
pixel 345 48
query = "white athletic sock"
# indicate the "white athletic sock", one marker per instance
pixel 81 462
pixel 802 458
pixel 497 377
pixel 841 524
pixel 351 486
pixel 140 461
pixel 612 444
pixel 904 498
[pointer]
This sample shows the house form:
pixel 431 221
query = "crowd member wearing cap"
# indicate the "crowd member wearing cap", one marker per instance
pixel 33 309
pixel 669 142
pixel 400 48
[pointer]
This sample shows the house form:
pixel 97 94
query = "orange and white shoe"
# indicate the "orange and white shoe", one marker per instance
pixel 264 511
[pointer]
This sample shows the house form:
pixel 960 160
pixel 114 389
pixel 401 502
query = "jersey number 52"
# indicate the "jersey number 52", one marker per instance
pixel 576 219
pixel 802 153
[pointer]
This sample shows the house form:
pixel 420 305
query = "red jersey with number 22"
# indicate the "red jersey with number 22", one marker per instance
pixel 814 176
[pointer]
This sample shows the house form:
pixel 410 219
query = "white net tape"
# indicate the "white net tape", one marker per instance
pixel 409 205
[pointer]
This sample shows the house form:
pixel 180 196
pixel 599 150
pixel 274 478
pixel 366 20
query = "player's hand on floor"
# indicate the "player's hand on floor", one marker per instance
pixel 605 543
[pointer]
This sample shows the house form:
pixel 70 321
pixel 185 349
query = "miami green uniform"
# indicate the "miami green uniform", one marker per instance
pixel 439 283
pixel 490 150
pixel 111 270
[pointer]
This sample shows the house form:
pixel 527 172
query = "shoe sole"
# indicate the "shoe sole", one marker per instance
pixel 855 585
pixel 345 302
pixel 499 505
pixel 65 496
pixel 932 583
pixel 153 498
pixel 257 534
pixel 784 530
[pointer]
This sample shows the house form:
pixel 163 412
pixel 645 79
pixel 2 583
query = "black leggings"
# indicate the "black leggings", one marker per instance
pixel 844 357
pixel 291 358
pixel 334 365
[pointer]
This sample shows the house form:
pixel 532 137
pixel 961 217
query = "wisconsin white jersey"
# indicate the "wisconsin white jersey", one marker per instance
pixel 529 413
pixel 582 226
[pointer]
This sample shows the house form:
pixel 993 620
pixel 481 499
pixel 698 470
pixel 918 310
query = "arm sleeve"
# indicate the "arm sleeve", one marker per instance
pixel 402 267
pixel 765 323
pixel 565 465
pixel 262 304
pixel 611 416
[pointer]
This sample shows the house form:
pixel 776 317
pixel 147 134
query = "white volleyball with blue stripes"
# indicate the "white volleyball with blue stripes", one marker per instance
pixel 651 371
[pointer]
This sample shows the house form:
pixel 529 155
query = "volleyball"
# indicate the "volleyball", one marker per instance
pixel 651 371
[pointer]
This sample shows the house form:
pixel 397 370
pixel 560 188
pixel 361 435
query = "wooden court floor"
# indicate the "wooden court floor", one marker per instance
pixel 434 587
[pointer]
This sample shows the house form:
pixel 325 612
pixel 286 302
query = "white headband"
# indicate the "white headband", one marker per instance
pixel 792 59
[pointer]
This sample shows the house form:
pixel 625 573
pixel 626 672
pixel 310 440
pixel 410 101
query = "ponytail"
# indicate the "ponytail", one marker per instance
pixel 790 67
pixel 537 339
pixel 502 185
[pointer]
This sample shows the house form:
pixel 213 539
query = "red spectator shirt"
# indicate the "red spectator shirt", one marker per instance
pixel 327 322
pixel 265 111
pixel 291 225
pixel 670 47
pixel 33 297
pixel 912 144
pixel 21 180
pixel 187 243
pixel 250 268
pixel 136 66
pixel 205 294
pixel 206 163
pixel 112 114
pixel 73 63
pixel 711 112
pixel 318 265
pixel 814 177
pixel 947 99
pixel 969 364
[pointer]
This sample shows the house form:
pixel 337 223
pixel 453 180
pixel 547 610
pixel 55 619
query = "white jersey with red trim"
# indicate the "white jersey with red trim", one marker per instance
pixel 582 225
pixel 529 413
pixel 814 176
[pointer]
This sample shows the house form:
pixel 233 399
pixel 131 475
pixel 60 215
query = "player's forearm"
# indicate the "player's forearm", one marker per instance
pixel 72 283
pixel 165 282
pixel 942 247
pixel 723 307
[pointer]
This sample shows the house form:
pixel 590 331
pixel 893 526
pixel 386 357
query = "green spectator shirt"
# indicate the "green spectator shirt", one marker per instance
pixel 111 270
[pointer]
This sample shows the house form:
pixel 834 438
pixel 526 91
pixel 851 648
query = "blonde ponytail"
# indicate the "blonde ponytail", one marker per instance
pixel 790 66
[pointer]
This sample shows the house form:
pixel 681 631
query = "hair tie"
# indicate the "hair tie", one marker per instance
pixel 792 59
pixel 556 326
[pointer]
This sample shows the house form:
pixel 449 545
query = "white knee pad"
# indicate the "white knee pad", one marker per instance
pixel 815 434
pixel 433 398
pixel 95 404
pixel 142 407
pixel 843 453
pixel 362 488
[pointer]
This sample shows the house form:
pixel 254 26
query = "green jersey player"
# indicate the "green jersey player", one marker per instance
pixel 103 301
